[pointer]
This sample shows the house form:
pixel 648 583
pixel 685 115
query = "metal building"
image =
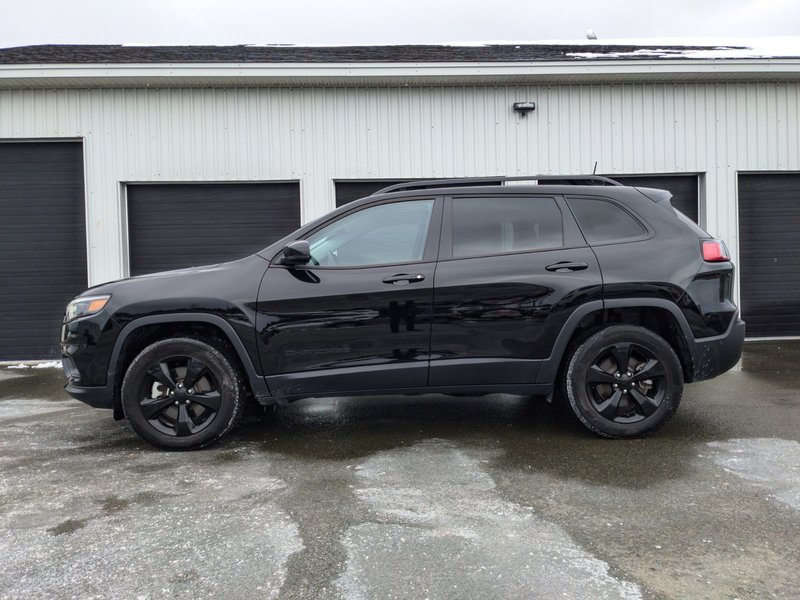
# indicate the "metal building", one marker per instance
pixel 118 161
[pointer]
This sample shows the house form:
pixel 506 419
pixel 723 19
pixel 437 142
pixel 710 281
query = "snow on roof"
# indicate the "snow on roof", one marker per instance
pixel 700 48
pixel 450 52
pixel 697 48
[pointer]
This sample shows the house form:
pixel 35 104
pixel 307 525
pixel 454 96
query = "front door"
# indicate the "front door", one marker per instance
pixel 358 316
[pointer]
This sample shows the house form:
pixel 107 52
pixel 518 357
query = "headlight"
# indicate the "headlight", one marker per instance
pixel 86 305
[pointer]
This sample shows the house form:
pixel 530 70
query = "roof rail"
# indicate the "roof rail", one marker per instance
pixel 436 183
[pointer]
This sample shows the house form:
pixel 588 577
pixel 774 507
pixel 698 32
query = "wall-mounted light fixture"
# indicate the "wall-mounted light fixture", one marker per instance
pixel 523 108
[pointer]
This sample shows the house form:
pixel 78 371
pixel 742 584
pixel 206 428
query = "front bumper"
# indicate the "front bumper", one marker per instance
pixel 86 346
pixel 718 354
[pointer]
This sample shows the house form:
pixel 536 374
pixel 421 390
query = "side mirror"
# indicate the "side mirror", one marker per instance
pixel 296 253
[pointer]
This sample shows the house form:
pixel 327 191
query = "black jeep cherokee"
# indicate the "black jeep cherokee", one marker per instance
pixel 583 285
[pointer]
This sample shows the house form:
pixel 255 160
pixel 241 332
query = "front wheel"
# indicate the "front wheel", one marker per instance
pixel 182 394
pixel 623 381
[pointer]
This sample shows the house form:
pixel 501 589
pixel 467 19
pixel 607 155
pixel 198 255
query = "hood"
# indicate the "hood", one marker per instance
pixel 186 279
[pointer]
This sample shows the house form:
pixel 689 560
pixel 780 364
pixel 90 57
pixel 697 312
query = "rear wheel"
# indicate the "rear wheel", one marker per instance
pixel 182 394
pixel 623 381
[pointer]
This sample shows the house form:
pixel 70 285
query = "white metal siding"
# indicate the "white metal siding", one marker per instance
pixel 316 135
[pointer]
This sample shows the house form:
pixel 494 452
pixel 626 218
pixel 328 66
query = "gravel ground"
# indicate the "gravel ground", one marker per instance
pixel 417 497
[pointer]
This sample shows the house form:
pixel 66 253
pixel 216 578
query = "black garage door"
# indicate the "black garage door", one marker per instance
pixel 42 244
pixel 172 226
pixel 347 191
pixel 683 187
pixel 769 253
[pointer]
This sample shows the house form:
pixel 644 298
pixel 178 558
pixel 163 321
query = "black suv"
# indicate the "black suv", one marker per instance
pixel 581 285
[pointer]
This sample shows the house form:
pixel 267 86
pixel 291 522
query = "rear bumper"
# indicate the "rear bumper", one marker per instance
pixel 718 354
pixel 97 397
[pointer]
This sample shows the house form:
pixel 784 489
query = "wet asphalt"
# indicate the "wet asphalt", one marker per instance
pixel 409 497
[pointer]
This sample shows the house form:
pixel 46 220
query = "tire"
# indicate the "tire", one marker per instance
pixel 174 416
pixel 623 381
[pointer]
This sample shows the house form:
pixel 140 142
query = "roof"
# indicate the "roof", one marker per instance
pixel 119 54
pixel 485 63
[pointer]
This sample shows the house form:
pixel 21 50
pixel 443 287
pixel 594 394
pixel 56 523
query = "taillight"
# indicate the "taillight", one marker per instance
pixel 715 251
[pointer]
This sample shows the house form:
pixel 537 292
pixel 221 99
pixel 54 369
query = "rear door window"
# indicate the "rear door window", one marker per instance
pixel 486 226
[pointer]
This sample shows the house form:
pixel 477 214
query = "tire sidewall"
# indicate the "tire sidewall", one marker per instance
pixel 221 368
pixel 585 354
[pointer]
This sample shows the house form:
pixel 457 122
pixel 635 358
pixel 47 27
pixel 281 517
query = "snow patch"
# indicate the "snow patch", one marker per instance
pixel 54 364
pixel 441 523
pixel 772 464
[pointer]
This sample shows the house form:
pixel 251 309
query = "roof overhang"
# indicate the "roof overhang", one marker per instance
pixel 395 74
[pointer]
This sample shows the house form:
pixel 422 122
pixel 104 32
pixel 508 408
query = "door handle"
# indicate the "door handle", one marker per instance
pixel 404 278
pixel 564 266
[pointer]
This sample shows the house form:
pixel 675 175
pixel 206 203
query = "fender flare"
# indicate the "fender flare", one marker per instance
pixel 257 382
pixel 550 365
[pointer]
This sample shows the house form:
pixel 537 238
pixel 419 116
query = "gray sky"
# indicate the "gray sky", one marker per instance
pixel 382 22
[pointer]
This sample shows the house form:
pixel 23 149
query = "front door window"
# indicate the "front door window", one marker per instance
pixel 380 235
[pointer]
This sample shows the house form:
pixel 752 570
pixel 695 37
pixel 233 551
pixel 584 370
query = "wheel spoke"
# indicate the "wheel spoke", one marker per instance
pixel 184 423
pixel 160 372
pixel 152 406
pixel 646 405
pixel 609 407
pixel 651 369
pixel 211 400
pixel 193 371
pixel 622 356
pixel 598 375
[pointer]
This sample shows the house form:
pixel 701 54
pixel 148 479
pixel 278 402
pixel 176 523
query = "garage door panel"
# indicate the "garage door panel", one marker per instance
pixel 769 253
pixel 43 244
pixel 684 189
pixel 182 225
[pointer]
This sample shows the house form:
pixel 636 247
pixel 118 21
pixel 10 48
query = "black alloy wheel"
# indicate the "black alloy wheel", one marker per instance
pixel 182 393
pixel 623 381
pixel 180 396
pixel 626 383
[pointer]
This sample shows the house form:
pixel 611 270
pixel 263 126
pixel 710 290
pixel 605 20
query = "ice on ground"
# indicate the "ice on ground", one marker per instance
pixel 771 463
pixel 187 529
pixel 439 520
pixel 20 408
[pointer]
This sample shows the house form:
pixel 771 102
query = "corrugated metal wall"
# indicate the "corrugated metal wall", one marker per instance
pixel 316 135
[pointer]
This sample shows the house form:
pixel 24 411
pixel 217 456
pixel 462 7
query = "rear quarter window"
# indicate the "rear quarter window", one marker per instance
pixel 602 221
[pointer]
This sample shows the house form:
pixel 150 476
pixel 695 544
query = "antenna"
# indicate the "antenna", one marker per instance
pixel 594 171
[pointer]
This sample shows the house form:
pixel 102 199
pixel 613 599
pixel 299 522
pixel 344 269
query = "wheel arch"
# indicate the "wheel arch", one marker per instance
pixel 145 330
pixel 647 312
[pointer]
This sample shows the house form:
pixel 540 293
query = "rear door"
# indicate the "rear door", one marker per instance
pixel 512 268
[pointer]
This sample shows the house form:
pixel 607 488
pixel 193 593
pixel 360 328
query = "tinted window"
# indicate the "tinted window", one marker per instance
pixel 499 225
pixel 603 221
pixel 384 234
